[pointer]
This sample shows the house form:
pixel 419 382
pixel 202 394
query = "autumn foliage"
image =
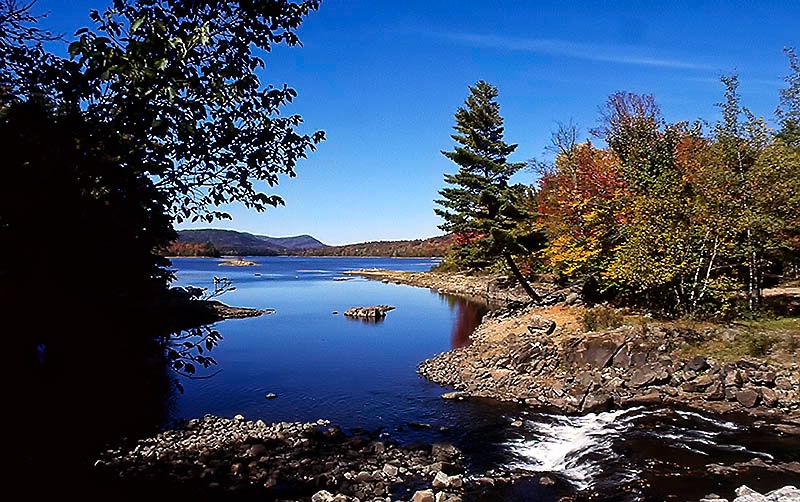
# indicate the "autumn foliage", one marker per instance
pixel 682 218
pixel 581 207
pixel 671 216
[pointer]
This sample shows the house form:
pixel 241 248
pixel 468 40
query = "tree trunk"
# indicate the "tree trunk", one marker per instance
pixel 524 282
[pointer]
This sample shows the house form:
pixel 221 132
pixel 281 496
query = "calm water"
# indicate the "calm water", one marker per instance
pixel 363 376
pixel 320 363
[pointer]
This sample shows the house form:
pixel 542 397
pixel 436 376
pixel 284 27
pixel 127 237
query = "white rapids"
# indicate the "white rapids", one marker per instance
pixel 564 444
pixel 580 448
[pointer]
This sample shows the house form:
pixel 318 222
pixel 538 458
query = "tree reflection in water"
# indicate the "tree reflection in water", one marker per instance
pixel 468 316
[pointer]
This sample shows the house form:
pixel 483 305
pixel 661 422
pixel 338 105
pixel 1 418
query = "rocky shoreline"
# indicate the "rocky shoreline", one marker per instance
pixel 534 355
pixel 234 459
pixel 539 355
pixel 492 289
pixel 520 355
pixel 238 459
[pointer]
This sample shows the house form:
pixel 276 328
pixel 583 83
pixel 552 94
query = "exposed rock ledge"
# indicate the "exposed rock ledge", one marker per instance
pixel 539 357
pixel 223 311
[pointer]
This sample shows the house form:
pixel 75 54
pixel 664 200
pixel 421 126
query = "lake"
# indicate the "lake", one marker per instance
pixel 362 375
pixel 318 362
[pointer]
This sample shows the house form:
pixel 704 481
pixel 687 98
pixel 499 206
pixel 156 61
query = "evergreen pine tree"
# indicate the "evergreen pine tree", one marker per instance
pixel 479 207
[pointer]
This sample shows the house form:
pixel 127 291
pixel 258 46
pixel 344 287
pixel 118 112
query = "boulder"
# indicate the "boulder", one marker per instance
pixel 599 401
pixel 597 351
pixel 373 312
pixel 423 496
pixel 697 363
pixel 651 374
pixel 747 397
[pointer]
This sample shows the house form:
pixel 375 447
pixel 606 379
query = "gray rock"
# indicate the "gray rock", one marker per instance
pixel 423 496
pixel 642 377
pixel 763 378
pixel 768 397
pixel 390 470
pixel 785 494
pixel 455 395
pixel 745 490
pixel 599 401
pixel 444 451
pixel 747 397
pixel 697 363
pixel 595 351
pixel 652 397
pixel 716 392
pixel 704 380
pixel 322 496
pixel 733 378
pixel 784 383
pixel 441 480
pixel 373 312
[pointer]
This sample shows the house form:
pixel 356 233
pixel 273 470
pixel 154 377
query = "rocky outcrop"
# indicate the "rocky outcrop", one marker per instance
pixel 744 493
pixel 516 356
pixel 290 461
pixel 228 312
pixel 237 262
pixel 373 312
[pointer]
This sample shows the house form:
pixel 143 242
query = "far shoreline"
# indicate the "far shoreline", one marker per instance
pixel 223 257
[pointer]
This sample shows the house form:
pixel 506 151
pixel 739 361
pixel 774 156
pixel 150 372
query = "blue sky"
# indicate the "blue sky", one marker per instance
pixel 383 79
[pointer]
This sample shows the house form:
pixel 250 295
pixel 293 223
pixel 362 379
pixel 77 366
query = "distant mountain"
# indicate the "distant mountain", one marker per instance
pixel 231 242
pixel 433 246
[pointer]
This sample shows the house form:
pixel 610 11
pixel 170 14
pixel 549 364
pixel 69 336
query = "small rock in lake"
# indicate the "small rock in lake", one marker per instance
pixel 455 395
pixel 373 312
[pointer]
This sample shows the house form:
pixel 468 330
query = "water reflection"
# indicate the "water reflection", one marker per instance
pixel 468 316
pixel 366 320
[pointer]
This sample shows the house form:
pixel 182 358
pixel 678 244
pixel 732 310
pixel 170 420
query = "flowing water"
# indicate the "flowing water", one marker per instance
pixel 362 375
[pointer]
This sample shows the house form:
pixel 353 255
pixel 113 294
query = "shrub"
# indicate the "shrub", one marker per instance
pixel 600 318
pixel 758 344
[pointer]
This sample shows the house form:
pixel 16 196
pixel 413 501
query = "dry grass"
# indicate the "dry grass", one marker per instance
pixel 775 340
